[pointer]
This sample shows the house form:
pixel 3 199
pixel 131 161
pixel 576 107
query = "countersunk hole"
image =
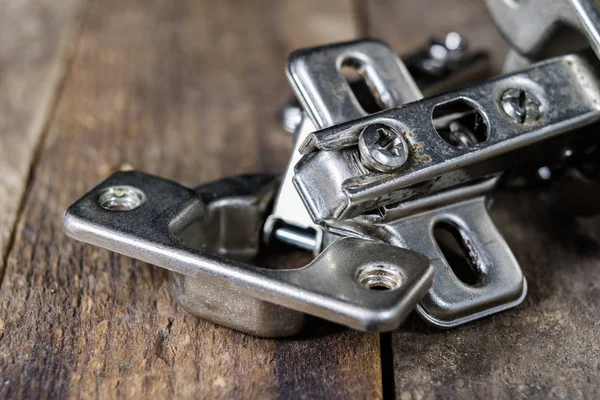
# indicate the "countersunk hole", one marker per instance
pixel 121 198
pixel 459 124
pixel 365 93
pixel 461 257
pixel 379 277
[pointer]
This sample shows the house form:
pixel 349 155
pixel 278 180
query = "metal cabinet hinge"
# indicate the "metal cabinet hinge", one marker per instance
pixel 389 189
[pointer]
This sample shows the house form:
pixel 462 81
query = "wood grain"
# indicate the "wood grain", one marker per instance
pixel 549 347
pixel 189 90
pixel 36 38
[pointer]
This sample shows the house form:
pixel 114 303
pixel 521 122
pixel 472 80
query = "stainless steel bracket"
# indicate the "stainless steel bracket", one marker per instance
pixel 566 96
pixel 445 61
pixel 328 99
pixel 492 280
pixel 537 29
pixel 348 197
pixel 497 281
pixel 325 94
pixel 199 236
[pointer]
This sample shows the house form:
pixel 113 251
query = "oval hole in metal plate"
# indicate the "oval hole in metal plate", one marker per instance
pixel 460 124
pixel 364 91
pixel 460 256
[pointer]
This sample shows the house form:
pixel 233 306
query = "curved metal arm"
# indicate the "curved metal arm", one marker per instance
pixel 169 229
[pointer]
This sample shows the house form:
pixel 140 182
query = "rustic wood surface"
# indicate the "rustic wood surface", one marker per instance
pixel 36 41
pixel 549 347
pixel 190 90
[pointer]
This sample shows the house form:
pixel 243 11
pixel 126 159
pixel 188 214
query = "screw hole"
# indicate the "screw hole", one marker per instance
pixel 121 198
pixel 379 277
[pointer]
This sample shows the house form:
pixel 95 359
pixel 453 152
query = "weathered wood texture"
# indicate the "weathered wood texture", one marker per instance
pixel 33 54
pixel 549 347
pixel 188 90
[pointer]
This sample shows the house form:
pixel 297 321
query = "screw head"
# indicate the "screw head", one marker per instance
pixel 520 106
pixel 382 148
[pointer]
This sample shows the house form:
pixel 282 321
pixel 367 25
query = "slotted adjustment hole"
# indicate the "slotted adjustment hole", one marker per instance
pixel 121 198
pixel 379 277
pixel 461 257
pixel 460 124
pixel 362 88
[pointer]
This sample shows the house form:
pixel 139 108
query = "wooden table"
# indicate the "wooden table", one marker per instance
pixel 190 90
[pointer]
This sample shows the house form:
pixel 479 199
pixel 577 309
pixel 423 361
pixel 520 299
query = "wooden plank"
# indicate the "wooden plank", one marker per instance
pixel 546 348
pixel 33 54
pixel 188 90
